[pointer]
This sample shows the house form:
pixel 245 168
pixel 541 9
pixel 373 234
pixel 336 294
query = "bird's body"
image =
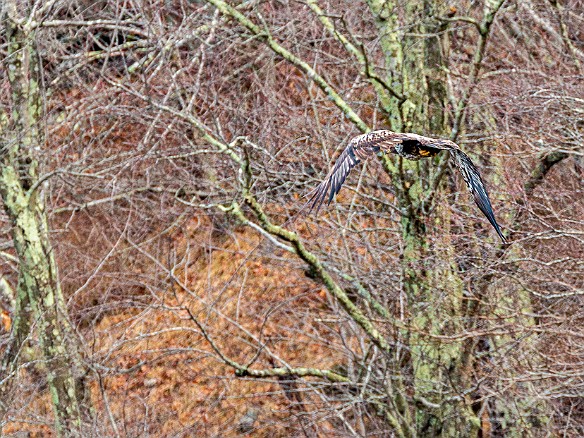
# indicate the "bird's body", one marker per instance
pixel 411 147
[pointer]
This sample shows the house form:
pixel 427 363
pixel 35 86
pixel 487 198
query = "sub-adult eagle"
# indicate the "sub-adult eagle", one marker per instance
pixel 411 147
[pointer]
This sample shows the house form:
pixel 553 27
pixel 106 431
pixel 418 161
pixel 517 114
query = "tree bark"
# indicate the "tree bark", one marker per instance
pixel 39 299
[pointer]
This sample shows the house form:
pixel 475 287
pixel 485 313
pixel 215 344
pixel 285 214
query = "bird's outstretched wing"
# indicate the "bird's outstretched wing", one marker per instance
pixel 476 186
pixel 412 146
pixel 359 148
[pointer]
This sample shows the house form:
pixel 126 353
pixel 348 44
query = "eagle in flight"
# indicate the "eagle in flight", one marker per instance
pixel 411 147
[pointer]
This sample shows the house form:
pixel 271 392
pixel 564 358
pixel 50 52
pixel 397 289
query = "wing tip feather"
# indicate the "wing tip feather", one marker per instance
pixel 333 183
pixel 477 187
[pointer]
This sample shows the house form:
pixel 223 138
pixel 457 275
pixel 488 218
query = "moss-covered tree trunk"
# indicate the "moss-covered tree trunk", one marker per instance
pixel 416 60
pixel 416 65
pixel 40 304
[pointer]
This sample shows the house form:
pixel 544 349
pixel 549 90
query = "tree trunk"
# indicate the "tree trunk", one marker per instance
pixel 434 293
pixel 39 297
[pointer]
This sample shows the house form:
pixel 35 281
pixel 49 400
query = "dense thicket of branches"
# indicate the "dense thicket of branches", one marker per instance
pixel 178 141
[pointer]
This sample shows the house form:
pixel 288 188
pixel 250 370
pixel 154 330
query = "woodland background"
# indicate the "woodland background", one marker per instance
pixel 160 279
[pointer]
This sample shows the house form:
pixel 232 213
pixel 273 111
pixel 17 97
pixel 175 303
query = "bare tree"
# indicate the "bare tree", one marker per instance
pixel 183 137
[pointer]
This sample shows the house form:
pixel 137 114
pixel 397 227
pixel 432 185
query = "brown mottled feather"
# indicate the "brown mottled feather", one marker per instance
pixel 359 148
pixel 410 146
